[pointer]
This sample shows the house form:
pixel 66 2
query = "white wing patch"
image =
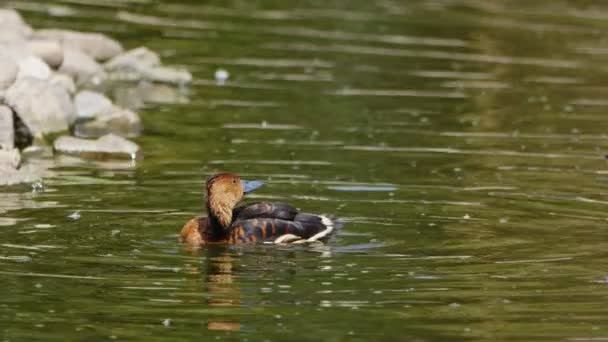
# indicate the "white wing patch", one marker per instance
pixel 294 239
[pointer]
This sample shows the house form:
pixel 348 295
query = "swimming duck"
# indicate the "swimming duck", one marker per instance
pixel 253 222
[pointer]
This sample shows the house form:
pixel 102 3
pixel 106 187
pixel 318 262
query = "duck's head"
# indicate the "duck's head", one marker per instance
pixel 224 191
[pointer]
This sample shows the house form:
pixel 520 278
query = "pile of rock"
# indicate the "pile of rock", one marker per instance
pixel 45 77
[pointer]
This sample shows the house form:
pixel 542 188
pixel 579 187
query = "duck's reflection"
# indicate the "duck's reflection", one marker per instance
pixel 218 286
pixel 219 277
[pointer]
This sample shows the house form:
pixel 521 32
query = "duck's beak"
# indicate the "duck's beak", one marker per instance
pixel 249 186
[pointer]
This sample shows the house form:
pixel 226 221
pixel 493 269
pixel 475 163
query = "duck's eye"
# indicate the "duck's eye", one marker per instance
pixel 234 181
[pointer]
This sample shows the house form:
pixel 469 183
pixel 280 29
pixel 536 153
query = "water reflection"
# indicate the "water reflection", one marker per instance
pixel 220 287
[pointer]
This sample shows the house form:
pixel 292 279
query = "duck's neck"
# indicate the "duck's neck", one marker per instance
pixel 220 213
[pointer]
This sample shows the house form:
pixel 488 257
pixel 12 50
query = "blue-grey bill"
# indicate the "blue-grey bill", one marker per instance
pixel 249 186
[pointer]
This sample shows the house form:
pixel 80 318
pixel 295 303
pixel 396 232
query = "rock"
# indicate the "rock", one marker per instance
pixel 81 66
pixel 8 72
pixel 96 45
pixel 7 130
pixel 50 52
pixel 166 75
pixel 42 107
pixel 11 21
pixel 143 64
pixel 130 96
pixel 161 93
pixel 16 51
pixel 9 158
pixel 34 67
pixel 64 81
pixel 122 122
pixel 90 104
pixel 127 95
pixel 133 60
pixel 11 37
pixel 107 146
pixel 25 174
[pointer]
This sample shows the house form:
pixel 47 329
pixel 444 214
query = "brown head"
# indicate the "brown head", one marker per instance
pixel 224 191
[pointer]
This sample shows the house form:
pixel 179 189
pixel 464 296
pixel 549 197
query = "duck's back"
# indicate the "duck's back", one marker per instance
pixel 258 210
pixel 268 221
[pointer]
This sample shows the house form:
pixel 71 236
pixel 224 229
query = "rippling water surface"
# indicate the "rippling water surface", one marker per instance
pixel 462 143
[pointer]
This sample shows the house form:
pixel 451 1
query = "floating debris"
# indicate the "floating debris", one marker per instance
pixel 221 76
pixel 75 215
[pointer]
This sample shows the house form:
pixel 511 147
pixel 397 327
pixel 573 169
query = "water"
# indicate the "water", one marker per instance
pixel 461 141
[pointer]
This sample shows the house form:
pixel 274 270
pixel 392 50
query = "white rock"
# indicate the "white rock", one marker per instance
pixel 80 66
pixel 34 67
pixel 11 20
pixel 7 130
pixel 143 64
pixel 8 72
pixel 160 93
pixel 42 107
pixel 111 145
pixel 50 51
pixel 90 104
pixel 9 158
pixel 123 122
pixel 133 60
pixel 96 45
pixel 8 36
pixel 166 75
pixel 25 174
pixel 64 81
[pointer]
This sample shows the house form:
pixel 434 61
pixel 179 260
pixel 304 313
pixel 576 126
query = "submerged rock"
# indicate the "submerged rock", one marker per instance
pixel 42 107
pixel 147 92
pixel 7 133
pixel 96 45
pixel 119 121
pixel 143 64
pixel 107 146
pixel 82 67
pixel 10 159
pixel 166 75
pixel 97 116
pixel 26 174
pixel 133 60
pixel 90 104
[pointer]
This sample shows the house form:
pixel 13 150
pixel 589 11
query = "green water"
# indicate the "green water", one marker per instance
pixel 462 143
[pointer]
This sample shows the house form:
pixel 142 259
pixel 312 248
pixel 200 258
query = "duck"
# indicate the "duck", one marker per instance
pixel 227 222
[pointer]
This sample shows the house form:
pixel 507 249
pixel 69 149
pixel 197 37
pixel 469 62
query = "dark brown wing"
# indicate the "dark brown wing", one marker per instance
pixel 263 229
pixel 281 211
